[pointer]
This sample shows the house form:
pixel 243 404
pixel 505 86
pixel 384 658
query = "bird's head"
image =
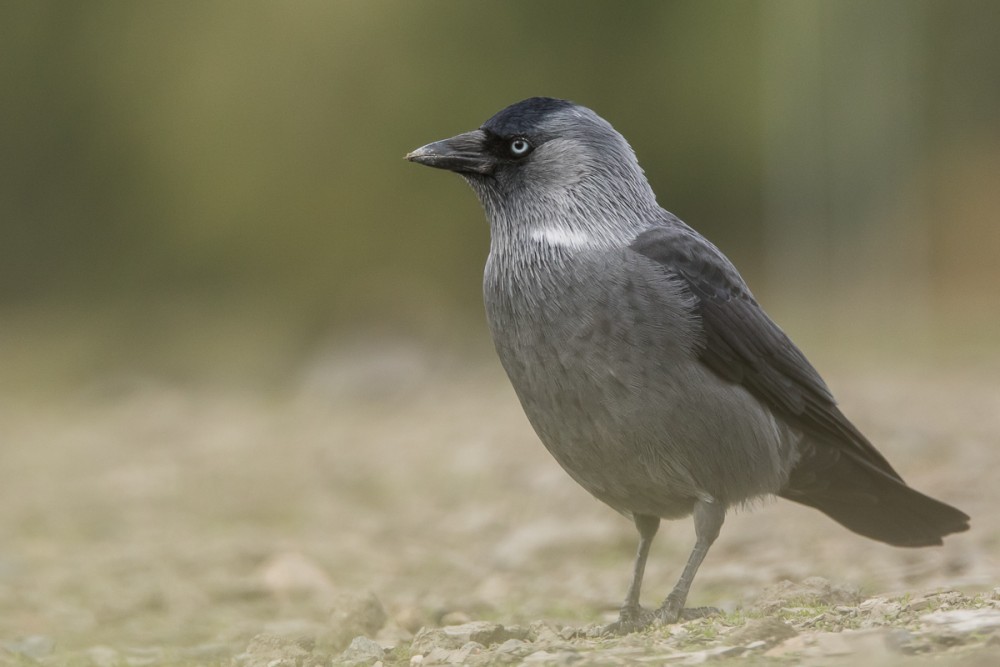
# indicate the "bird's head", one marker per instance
pixel 546 161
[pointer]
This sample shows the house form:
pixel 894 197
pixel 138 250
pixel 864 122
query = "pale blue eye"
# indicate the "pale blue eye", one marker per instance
pixel 520 147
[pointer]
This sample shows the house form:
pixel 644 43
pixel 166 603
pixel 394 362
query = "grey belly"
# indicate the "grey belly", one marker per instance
pixel 654 447
pixel 623 404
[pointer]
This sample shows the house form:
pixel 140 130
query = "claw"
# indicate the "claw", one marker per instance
pixel 670 611
pixel 629 620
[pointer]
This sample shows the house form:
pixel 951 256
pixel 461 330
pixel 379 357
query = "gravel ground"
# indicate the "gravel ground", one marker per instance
pixel 393 506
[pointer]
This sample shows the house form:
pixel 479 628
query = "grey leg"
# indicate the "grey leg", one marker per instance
pixel 708 518
pixel 632 617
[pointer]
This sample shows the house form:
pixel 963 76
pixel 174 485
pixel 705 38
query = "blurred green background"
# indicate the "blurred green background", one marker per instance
pixel 216 190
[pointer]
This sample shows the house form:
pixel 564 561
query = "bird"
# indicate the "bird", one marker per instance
pixel 643 361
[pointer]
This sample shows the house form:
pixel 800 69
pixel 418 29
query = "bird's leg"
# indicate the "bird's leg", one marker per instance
pixel 708 518
pixel 633 617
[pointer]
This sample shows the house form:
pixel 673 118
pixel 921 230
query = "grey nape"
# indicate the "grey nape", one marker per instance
pixel 642 359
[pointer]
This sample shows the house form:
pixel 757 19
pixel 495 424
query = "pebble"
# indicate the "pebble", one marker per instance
pixel 362 651
pixel 412 618
pixel 455 618
pixel 437 656
pixel 354 615
pixel 292 574
pixel 881 612
pixel 267 650
pixel 513 646
pixel 454 637
pixel 545 633
pixel 462 654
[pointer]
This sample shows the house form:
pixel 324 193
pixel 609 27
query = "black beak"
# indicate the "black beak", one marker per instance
pixel 465 154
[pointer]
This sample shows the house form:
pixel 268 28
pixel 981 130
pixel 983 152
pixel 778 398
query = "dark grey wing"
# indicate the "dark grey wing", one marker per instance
pixel 838 471
pixel 743 345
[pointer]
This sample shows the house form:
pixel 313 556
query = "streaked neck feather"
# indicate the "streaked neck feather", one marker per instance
pixel 562 237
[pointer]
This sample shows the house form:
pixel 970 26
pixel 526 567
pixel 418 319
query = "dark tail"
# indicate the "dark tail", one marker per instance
pixel 870 501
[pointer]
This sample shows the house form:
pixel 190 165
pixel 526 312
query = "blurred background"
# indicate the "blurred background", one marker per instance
pixel 228 304
pixel 214 188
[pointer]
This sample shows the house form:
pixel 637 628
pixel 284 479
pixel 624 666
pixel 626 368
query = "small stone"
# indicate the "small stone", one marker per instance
pixel 267 650
pixel 918 604
pixel 462 654
pixel 455 618
pixel 455 636
pixel 810 622
pixel 292 574
pixel 412 618
pixel 362 651
pixel 513 646
pixel 937 600
pixel 416 660
pixel 437 656
pixel 544 632
pixel 882 612
pixel 352 616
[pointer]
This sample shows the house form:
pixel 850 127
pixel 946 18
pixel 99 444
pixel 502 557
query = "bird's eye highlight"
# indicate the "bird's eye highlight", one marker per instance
pixel 520 147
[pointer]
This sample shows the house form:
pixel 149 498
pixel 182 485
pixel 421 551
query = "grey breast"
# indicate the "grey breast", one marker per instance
pixel 600 348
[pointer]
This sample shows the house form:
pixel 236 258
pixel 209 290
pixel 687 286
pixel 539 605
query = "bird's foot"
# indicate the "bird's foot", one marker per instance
pixel 634 619
pixel 630 619
pixel 691 613
pixel 670 611
pixel 673 610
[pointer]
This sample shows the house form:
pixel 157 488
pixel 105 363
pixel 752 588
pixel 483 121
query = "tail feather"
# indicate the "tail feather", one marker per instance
pixel 870 501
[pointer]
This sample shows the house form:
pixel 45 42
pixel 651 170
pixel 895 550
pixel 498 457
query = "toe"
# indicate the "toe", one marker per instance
pixel 629 620
pixel 691 613
pixel 669 612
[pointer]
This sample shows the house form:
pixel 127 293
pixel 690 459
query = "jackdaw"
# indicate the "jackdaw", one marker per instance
pixel 642 360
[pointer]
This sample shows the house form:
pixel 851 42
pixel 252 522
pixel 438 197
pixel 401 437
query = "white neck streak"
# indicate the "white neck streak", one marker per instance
pixel 562 237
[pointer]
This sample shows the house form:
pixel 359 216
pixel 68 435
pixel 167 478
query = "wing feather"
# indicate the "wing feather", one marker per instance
pixel 741 344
